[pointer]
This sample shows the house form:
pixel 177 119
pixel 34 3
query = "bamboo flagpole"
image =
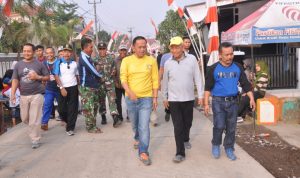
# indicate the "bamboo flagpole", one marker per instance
pixel 191 30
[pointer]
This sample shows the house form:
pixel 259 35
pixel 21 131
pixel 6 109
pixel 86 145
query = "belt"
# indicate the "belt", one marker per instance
pixel 226 98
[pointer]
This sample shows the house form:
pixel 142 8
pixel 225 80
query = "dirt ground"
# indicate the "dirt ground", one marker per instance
pixel 277 156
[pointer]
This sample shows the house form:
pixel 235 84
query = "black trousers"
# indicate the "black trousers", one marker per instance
pixel 182 117
pixel 244 103
pixel 119 93
pixel 68 107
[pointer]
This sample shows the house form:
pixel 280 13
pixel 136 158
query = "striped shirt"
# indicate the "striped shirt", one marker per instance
pixel 262 83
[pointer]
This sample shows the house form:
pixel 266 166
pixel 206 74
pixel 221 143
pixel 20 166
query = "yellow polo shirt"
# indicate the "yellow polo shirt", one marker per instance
pixel 141 75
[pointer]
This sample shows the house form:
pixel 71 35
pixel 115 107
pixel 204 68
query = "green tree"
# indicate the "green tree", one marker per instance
pixel 65 12
pixel 104 36
pixel 43 29
pixel 170 27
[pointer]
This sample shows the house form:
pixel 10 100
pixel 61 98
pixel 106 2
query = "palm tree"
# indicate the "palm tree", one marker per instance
pixel 42 29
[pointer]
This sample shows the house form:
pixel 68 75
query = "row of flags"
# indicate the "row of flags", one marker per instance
pixel 212 19
pixel 189 22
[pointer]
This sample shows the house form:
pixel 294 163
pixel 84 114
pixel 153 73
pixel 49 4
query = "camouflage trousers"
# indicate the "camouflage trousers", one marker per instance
pixel 107 89
pixel 90 105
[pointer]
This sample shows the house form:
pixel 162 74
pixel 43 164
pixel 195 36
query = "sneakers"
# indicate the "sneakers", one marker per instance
pixel 117 121
pixel 167 117
pixel 216 151
pixel 70 133
pixel 35 145
pixel 136 145
pixel 178 158
pixel 58 118
pixel 239 120
pixel 230 154
pixel 103 122
pixel 187 145
pixel 44 127
pixel 145 159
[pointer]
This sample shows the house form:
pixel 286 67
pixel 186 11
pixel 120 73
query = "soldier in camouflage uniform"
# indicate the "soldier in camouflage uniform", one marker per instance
pixel 89 86
pixel 105 64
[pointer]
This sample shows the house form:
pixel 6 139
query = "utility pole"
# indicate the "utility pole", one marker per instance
pixel 96 21
pixel 130 31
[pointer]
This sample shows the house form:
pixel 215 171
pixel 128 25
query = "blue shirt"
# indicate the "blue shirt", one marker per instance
pixel 89 77
pixel 51 85
pixel 223 81
pixel 164 59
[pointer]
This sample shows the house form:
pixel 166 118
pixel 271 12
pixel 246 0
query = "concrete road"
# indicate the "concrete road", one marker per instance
pixel 111 154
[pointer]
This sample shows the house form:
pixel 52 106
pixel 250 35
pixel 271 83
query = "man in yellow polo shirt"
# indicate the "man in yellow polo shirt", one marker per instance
pixel 139 77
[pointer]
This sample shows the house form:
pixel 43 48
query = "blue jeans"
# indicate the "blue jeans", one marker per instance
pixel 48 105
pixel 224 118
pixel 139 112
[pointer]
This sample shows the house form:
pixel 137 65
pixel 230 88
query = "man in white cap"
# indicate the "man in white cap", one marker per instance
pixel 181 74
pixel 67 79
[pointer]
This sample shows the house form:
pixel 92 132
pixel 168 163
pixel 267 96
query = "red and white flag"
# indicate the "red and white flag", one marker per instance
pixel 213 35
pixel 1 31
pixel 154 26
pixel 85 30
pixel 7 7
pixel 125 37
pixel 189 22
pixel 114 35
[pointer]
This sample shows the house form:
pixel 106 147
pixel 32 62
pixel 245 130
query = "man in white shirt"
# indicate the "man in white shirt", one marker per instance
pixel 181 74
pixel 66 76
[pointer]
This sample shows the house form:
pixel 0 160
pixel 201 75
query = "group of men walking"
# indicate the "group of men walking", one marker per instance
pixel 136 76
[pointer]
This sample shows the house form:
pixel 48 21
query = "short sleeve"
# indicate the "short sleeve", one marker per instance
pixel 15 72
pixel 56 67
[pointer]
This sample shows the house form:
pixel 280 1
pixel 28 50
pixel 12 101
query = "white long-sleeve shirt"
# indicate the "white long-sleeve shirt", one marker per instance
pixel 179 79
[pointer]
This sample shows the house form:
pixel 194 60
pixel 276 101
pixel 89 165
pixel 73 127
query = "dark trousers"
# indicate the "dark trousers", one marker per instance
pixel 182 117
pixel 119 93
pixel 244 103
pixel 68 107
pixel 224 118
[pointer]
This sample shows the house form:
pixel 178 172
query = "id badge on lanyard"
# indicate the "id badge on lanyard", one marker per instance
pixel 52 78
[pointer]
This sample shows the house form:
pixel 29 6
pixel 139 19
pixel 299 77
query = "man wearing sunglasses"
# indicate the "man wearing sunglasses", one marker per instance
pixel 66 76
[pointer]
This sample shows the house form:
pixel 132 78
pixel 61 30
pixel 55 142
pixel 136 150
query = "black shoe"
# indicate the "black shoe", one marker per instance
pixel 103 122
pixel 117 121
pixel 167 117
pixel 121 118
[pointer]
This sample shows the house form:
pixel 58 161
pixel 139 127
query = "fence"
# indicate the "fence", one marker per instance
pixel 5 64
pixel 283 71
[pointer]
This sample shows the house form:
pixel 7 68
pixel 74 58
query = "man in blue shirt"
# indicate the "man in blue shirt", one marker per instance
pixel 52 91
pixel 221 82
pixel 89 86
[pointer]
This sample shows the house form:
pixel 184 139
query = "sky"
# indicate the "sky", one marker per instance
pixel 120 15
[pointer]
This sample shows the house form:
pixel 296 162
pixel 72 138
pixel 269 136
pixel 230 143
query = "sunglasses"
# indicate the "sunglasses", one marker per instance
pixel 68 65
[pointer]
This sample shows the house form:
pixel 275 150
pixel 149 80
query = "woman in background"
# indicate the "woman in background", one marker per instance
pixel 261 80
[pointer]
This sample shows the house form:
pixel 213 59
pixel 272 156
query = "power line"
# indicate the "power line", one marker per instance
pixel 96 21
